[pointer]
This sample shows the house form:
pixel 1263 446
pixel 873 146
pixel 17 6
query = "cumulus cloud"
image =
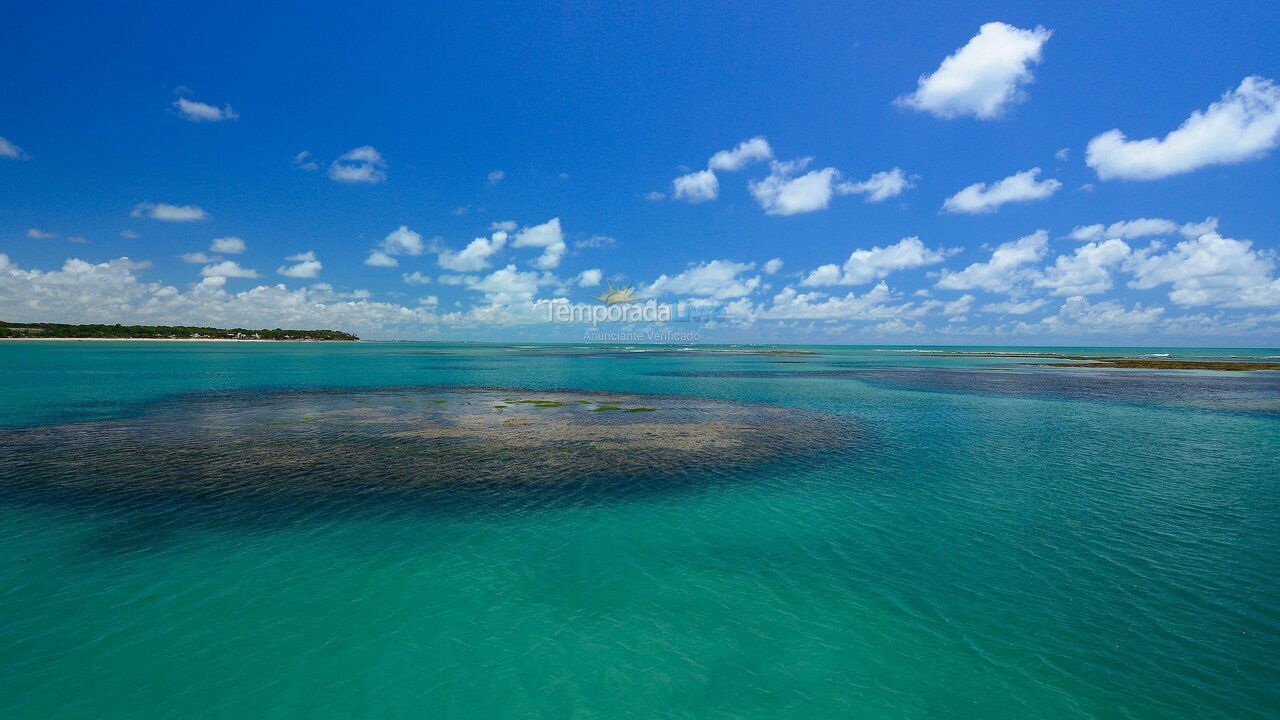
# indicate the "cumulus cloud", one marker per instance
pixel 203 112
pixel 229 245
pixel 1019 187
pixel 305 265
pixel 595 242
pixel 984 77
pixel 880 186
pixel 416 278
pixel 401 241
pixel 1013 307
pixel 305 161
pixel 784 193
pixel 169 213
pixel 10 151
pixel 747 151
pixel 475 256
pixel 696 187
pixel 377 258
pixel 1087 271
pixel 360 165
pixel 1142 227
pixel 864 266
pixel 38 234
pixel 1078 315
pixel 228 269
pixel 718 279
pixel 1243 125
pixel 772 266
pixel 1007 267
pixel 1209 270
pixel 547 236
pixel 198 258
pixel 507 285
pixel 114 292
pixel 589 278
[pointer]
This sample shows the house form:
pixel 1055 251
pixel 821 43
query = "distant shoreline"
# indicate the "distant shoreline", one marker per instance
pixel 191 340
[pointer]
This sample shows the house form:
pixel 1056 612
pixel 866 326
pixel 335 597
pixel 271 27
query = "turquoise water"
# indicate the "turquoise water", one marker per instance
pixel 1001 541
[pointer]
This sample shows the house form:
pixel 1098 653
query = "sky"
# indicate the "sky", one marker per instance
pixel 1018 174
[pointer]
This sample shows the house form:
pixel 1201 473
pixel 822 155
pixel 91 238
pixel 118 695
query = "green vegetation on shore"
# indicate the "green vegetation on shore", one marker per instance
pixel 161 332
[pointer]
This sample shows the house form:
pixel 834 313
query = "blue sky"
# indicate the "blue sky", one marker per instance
pixel 150 131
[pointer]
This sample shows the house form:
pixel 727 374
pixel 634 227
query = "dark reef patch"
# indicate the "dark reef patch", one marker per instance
pixel 388 440
pixel 1235 392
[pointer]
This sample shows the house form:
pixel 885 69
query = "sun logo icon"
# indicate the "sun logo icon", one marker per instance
pixel 617 295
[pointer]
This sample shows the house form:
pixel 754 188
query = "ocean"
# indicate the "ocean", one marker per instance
pixel 230 530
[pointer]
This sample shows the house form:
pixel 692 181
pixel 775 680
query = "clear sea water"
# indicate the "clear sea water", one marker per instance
pixel 1006 540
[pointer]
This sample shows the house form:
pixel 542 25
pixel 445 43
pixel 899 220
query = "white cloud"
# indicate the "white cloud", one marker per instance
pixel 38 234
pixel 864 266
pixel 429 300
pixel 77 239
pixel 507 226
pixel 1087 271
pixel 203 112
pixel 717 279
pixel 1012 307
pixel 547 236
pixel 984 77
pixel 880 186
pixel 1019 187
pixel 1243 125
pixel 507 285
pixel 360 165
pixel 496 176
pixel 1142 227
pixel 10 151
pixel 475 256
pixel 114 292
pixel 772 266
pixel 377 258
pixel 305 161
pixel 1078 315
pixel 780 193
pixel 129 235
pixel 1209 270
pixel 403 241
pixel 416 278
pixel 198 258
pixel 228 269
pixel 1006 268
pixel 1063 154
pixel 229 245
pixel 696 187
pixel 747 151
pixel 590 278
pixel 169 213
pixel 305 265
pixel 873 305
pixel 654 196
pixel 595 242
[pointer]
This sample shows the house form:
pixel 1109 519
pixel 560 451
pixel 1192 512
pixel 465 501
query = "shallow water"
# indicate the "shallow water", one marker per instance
pixel 994 540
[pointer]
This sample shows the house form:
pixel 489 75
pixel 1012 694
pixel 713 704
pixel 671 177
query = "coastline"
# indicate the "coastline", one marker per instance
pixel 170 340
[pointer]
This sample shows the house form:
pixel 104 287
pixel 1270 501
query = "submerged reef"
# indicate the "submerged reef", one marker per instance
pixel 1130 363
pixel 366 440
